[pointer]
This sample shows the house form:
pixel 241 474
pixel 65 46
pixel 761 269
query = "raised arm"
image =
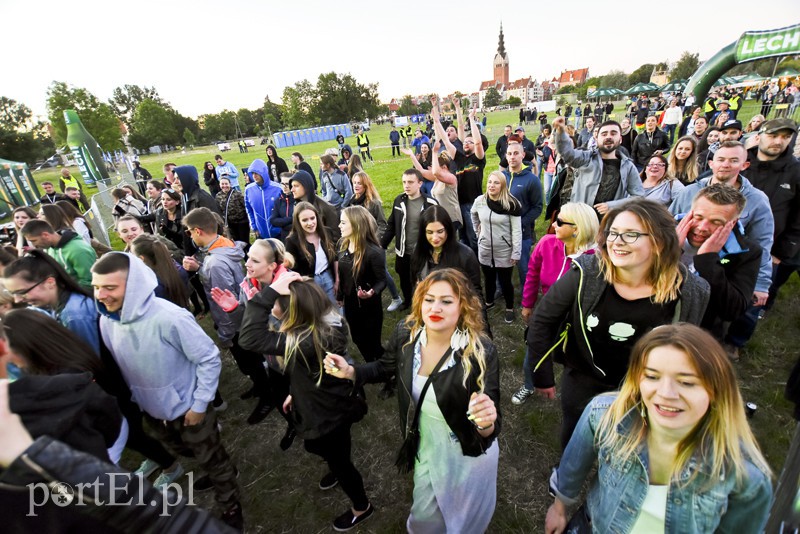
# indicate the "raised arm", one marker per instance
pixel 440 133
pixel 440 173
pixel 426 173
pixel 459 120
pixel 476 133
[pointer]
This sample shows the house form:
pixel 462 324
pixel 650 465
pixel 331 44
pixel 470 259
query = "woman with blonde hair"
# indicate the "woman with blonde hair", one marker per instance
pixel 324 407
pixel 312 248
pixel 673 448
pixel 751 130
pixel 366 194
pixel 496 218
pixel 575 229
pixel 682 161
pixel 450 422
pixel 361 264
pixel 608 301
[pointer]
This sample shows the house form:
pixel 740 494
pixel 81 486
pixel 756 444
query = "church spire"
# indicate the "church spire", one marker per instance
pixel 501 46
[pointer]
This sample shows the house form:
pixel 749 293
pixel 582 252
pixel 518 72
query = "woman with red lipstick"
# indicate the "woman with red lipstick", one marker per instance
pixel 634 283
pixel 673 448
pixel 449 396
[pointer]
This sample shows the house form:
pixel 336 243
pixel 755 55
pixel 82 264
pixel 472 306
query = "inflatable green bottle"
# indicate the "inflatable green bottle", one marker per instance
pixel 85 150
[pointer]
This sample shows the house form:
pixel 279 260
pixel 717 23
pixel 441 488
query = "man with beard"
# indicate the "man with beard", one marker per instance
pixel 604 178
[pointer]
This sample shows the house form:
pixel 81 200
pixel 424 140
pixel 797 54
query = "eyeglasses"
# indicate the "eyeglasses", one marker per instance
pixel 189 231
pixel 561 223
pixel 627 237
pixel 23 292
pixel 286 184
pixel 656 165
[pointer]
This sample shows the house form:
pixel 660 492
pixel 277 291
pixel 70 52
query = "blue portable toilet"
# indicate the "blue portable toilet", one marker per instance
pixel 346 127
pixel 278 138
pixel 305 136
pixel 315 135
pixel 287 139
pixel 295 138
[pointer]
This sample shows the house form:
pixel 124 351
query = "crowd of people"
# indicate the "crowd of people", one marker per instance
pixel 658 261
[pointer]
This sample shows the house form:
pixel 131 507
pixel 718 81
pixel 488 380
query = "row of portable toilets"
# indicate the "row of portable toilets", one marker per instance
pixel 310 135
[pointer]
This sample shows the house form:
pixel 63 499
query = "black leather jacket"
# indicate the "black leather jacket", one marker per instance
pixel 48 461
pixel 451 395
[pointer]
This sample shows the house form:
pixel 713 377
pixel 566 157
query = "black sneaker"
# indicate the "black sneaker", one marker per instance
pixel 233 517
pixel 328 481
pixel 348 520
pixel 204 483
pixel 387 391
pixel 288 438
pixel 260 412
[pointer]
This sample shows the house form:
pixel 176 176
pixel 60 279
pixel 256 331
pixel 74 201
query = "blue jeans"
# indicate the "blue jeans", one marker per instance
pixel 547 183
pixel 669 129
pixel 468 236
pixel 325 281
pixel 524 257
pixel 527 369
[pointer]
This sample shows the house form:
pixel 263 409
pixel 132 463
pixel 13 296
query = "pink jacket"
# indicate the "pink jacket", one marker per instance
pixel 548 263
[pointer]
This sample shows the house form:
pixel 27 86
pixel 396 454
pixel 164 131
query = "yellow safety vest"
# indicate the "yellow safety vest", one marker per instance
pixel 362 139
pixel 735 102
pixel 709 105
pixel 72 182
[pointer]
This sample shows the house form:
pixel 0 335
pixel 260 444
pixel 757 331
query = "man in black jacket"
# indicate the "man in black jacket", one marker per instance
pixel 403 227
pixel 715 248
pixel 501 146
pixel 774 170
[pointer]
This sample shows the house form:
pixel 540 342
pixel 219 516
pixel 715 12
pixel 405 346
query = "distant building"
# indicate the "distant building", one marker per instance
pixel 501 88
pixel 501 61
pixel 519 88
pixel 393 105
pixel 573 77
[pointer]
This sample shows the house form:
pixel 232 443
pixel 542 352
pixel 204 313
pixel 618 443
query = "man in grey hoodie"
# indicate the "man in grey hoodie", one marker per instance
pixel 171 367
pixel 219 264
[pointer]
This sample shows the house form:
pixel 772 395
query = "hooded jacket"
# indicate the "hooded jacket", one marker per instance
pixel 330 219
pixel 526 187
pixel 572 300
pixel 396 225
pixel 165 357
pixel 276 166
pixel 282 213
pixel 193 195
pixel 499 235
pixel 221 265
pixel 756 218
pixel 779 179
pixel 588 174
pixel 75 255
pixel 69 407
pixel 336 188
pixel 259 199
pixel 344 161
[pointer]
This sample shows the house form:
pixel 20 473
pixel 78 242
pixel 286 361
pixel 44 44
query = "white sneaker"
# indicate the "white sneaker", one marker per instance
pixel 396 303
pixel 521 395
pixel 147 468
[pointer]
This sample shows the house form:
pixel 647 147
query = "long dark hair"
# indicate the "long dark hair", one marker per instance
pixel 209 172
pixel 37 265
pixel 156 256
pixel 56 217
pixel 300 234
pixel 47 347
pixel 703 144
pixel 424 250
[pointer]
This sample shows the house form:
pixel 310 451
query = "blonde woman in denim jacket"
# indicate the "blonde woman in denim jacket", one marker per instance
pixel 674 451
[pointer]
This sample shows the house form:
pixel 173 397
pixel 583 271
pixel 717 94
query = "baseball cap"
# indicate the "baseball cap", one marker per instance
pixel 723 101
pixel 776 125
pixel 519 129
pixel 732 124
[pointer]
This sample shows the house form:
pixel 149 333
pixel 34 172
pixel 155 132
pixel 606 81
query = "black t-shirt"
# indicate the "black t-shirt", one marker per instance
pixel 609 183
pixel 616 324
pixel 469 171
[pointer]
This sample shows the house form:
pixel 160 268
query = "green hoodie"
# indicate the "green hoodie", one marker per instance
pixel 76 256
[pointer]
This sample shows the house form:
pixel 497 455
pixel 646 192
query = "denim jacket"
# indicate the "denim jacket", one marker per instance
pixel 618 490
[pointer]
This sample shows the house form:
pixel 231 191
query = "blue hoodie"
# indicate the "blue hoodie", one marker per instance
pixel 526 187
pixel 259 199
pixel 165 357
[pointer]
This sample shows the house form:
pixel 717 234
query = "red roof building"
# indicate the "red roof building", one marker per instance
pixel 573 77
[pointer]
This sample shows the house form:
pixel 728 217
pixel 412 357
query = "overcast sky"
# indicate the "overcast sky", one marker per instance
pixel 205 56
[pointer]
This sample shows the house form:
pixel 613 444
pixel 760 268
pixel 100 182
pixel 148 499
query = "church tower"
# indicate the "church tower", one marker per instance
pixel 501 61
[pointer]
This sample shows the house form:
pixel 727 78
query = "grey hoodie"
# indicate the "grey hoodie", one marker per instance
pixel 222 267
pixel 165 357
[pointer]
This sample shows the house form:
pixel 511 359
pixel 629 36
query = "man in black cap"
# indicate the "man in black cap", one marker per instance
pixel 774 170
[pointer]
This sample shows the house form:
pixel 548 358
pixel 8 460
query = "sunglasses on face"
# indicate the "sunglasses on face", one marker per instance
pixel 561 223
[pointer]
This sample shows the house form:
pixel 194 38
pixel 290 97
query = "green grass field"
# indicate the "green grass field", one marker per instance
pixel 279 489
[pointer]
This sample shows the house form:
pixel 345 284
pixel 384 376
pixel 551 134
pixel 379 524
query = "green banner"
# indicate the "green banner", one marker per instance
pixel 771 43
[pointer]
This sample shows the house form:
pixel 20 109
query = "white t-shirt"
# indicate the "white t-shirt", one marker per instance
pixel 654 511
pixel 321 260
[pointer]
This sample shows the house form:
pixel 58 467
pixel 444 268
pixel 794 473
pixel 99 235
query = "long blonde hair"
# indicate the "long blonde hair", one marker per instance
pixel 506 199
pixel 665 275
pixel 690 165
pixel 309 314
pixel 722 436
pixel 470 318
pixel 364 231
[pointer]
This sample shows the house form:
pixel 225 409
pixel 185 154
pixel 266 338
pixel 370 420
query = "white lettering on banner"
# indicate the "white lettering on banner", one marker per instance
pixel 774 44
